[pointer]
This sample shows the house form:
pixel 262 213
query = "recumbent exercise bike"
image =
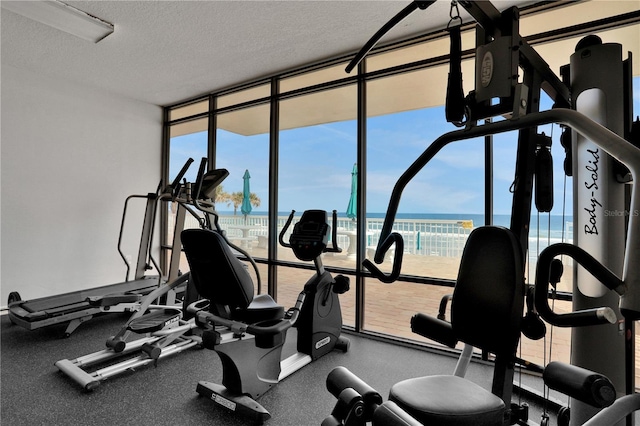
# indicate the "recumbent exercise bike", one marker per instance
pixel 251 361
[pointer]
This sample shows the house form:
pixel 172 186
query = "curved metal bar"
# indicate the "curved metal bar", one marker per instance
pixel 616 146
pixel 581 318
pixel 200 178
pixel 385 28
pixel 620 409
pixel 175 185
pixel 334 235
pixel 122 222
pixel 146 302
pixel 283 243
pixel 379 257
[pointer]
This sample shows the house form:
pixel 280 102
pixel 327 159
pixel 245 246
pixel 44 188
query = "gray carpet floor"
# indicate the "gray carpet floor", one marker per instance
pixel 34 392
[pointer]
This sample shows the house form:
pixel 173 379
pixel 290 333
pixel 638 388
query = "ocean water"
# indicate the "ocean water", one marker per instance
pixel 555 223
pixel 551 227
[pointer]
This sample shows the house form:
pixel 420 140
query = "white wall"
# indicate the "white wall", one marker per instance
pixel 70 156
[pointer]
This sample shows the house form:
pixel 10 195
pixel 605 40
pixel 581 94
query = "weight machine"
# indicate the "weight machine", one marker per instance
pixel 599 149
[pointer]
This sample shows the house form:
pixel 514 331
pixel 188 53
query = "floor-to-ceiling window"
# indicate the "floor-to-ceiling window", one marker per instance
pixel 317 137
pixel 318 147
pixel 438 207
pixel 242 148
pixel 188 139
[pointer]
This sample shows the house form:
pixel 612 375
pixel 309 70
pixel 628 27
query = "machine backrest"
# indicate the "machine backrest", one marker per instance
pixel 216 272
pixel 488 299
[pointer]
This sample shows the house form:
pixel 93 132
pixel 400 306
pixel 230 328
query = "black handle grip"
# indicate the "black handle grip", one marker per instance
pixel 278 326
pixel 334 235
pixel 198 306
pixel 544 179
pixel 442 309
pixel 396 238
pixel 454 108
pixel 269 327
pixel 434 329
pixel 181 173
pixel 200 178
pixel 270 333
pixel 283 243
pixel 582 318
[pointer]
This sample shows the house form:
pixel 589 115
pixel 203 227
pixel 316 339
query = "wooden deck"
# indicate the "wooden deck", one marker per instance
pixel 389 307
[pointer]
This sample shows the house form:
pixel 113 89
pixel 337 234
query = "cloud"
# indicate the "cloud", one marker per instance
pixel 342 134
pixel 429 198
pixel 468 155
pixel 428 192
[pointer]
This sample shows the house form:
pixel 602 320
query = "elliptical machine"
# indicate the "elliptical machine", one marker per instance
pixel 251 360
pixel 167 328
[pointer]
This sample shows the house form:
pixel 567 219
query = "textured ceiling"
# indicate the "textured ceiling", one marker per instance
pixel 163 52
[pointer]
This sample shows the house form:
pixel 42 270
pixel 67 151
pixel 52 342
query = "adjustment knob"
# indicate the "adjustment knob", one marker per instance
pixel 341 284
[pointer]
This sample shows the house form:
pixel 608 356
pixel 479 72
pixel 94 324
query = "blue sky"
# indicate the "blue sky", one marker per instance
pixel 316 164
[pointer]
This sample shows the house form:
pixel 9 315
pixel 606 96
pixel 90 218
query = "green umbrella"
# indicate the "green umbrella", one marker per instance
pixel 246 195
pixel 351 209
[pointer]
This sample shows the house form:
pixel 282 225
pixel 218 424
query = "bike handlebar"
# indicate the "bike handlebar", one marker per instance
pixel 334 235
pixel 200 178
pixel 581 318
pixel 281 325
pixel 382 249
pixel 270 328
pixel 283 243
pixel 175 185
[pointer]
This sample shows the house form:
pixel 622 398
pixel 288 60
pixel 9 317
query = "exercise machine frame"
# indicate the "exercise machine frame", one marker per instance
pixel 497 37
pixel 251 361
pixel 169 329
pixel 80 306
